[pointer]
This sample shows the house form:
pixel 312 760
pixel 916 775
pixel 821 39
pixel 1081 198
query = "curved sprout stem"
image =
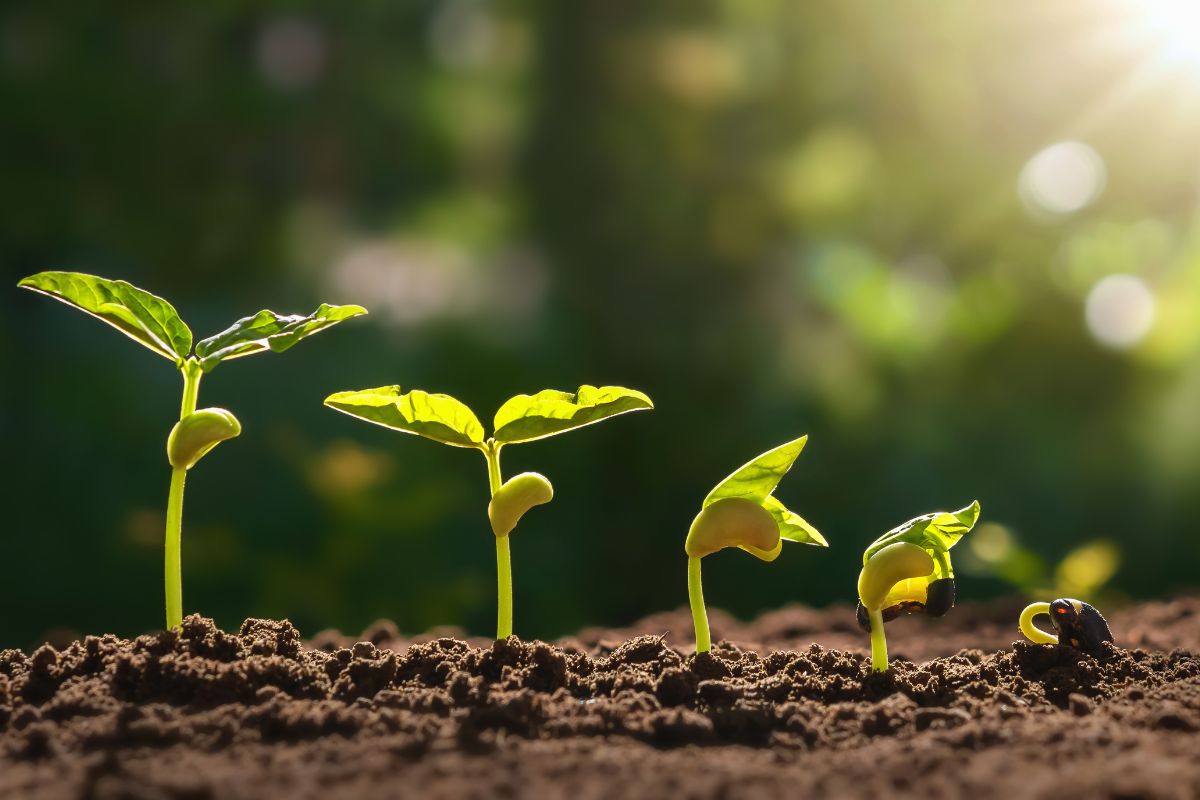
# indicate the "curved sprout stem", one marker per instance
pixel 879 656
pixel 1031 631
pixel 503 558
pixel 696 599
pixel 172 546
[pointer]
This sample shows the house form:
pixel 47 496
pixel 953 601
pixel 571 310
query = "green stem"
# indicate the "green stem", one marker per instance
pixel 492 452
pixel 191 386
pixel 172 572
pixel 696 598
pixel 879 658
pixel 503 589
pixel 172 567
pixel 942 559
pixel 504 613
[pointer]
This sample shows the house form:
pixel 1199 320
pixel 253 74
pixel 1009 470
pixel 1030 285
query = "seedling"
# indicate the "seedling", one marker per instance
pixel 1076 623
pixel 524 418
pixel 908 571
pixel 740 512
pixel 154 323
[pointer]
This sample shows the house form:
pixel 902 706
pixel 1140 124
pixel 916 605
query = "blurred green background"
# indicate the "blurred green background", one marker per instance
pixel 956 243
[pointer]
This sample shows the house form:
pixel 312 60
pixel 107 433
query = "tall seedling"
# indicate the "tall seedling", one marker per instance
pixel 154 323
pixel 524 418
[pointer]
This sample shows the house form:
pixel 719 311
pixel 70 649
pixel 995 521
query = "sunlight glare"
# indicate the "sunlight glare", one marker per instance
pixel 1175 26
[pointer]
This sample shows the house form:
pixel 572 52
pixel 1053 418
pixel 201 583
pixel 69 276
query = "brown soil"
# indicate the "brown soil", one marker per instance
pixel 622 714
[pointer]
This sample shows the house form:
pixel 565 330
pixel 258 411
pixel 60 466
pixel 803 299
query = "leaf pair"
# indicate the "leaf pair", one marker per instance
pixel 524 418
pixel 153 322
pixel 935 533
pixel 728 515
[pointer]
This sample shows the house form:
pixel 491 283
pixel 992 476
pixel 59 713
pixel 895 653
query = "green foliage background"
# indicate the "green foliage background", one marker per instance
pixel 775 218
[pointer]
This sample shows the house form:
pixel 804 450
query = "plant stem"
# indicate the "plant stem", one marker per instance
pixel 493 461
pixel 503 589
pixel 879 658
pixel 172 567
pixel 191 386
pixel 503 558
pixel 696 599
pixel 172 571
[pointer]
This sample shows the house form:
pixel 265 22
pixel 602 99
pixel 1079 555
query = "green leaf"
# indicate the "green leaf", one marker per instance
pixel 792 526
pixel 936 533
pixel 267 330
pixel 435 416
pixel 758 478
pixel 143 317
pixel 526 418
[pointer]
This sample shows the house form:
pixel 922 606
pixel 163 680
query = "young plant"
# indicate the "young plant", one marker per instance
pixel 908 571
pixel 154 323
pixel 740 512
pixel 1076 623
pixel 524 418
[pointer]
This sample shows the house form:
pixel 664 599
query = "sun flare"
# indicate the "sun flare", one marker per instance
pixel 1173 27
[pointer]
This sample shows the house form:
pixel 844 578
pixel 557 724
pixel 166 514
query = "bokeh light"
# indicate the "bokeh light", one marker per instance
pixel 462 34
pixel 1120 311
pixel 1062 179
pixel 291 52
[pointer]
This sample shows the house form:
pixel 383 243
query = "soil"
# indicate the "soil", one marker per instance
pixel 783 706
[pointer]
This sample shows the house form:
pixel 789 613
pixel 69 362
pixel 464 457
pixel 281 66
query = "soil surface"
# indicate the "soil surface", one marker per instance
pixel 784 706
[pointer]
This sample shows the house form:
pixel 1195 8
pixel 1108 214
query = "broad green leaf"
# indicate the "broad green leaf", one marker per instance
pixel 143 317
pixel 525 417
pixel 792 526
pixel 267 330
pixel 435 416
pixel 758 478
pixel 936 533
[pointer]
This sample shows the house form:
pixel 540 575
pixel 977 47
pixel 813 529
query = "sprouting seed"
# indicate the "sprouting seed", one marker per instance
pixel 741 512
pixel 1075 623
pixel 908 571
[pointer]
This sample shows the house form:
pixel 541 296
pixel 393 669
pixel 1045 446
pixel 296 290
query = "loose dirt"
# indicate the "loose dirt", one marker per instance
pixel 784 706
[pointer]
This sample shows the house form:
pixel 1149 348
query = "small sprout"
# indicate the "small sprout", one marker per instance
pixel 741 512
pixel 908 571
pixel 197 433
pixel 153 323
pixel 1076 623
pixel 524 418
